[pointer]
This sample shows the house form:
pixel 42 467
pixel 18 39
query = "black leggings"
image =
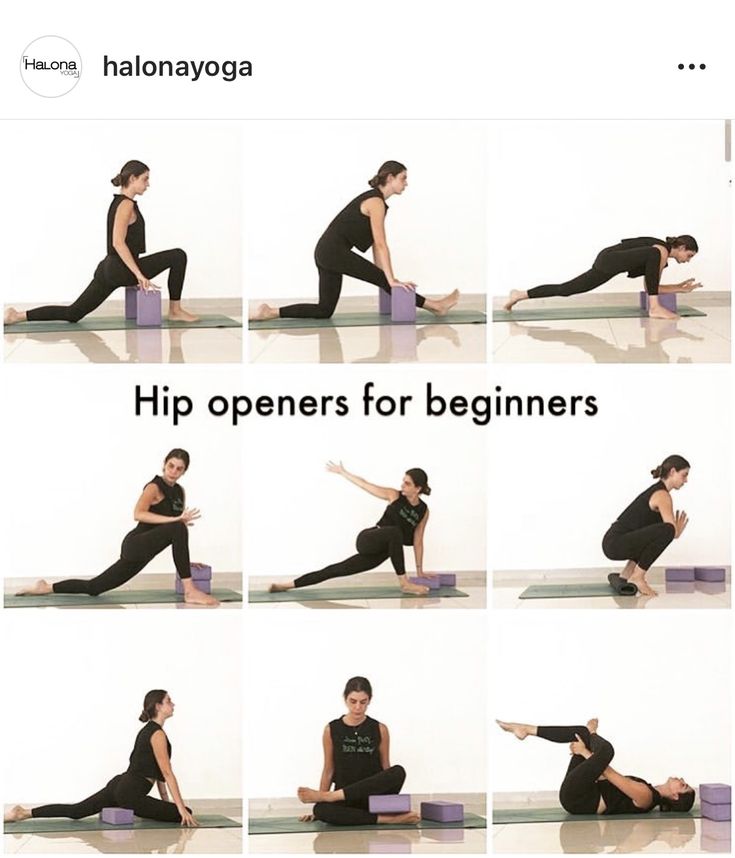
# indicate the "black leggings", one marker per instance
pixel 579 792
pixel 127 790
pixel 374 546
pixel 644 545
pixel 609 262
pixel 354 809
pixel 136 552
pixel 110 274
pixel 333 261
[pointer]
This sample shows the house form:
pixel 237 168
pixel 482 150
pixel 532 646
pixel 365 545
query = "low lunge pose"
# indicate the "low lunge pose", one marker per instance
pixel 638 257
pixel 163 519
pixel 649 524
pixel 357 761
pixel 123 265
pixel 150 762
pixel 360 224
pixel 592 786
pixel 402 523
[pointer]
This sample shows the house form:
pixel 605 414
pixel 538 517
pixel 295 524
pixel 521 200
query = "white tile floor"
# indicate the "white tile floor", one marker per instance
pixel 699 339
pixel 151 581
pixel 202 841
pixel 472 583
pixel 507 587
pixel 149 345
pixel 423 343
pixel 470 841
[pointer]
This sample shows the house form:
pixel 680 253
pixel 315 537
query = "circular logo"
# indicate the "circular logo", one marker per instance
pixel 50 66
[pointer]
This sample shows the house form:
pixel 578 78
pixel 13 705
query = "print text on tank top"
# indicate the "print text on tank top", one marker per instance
pixel 358 745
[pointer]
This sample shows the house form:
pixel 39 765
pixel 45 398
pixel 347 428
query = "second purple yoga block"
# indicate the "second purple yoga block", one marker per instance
pixel 714 574
pixel 442 811
pixel 431 583
pixel 383 302
pixel 447 579
pixel 679 573
pixel 201 572
pixel 715 793
pixel 403 305
pixel 116 815
pixel 131 302
pixel 667 300
pixel 718 812
pixel 389 803
pixel 149 308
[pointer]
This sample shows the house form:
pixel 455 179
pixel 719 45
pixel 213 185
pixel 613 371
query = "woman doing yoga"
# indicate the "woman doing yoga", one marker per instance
pixel 150 762
pixel 639 257
pixel 360 224
pixel 592 786
pixel 163 519
pixel 357 762
pixel 123 265
pixel 649 524
pixel 402 523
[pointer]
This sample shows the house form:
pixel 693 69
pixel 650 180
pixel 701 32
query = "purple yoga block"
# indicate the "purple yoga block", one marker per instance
pixel 718 812
pixel 384 303
pixel 667 300
pixel 148 308
pixel 116 816
pixel 131 302
pixel 431 583
pixel 201 572
pixel 204 586
pixel 715 793
pixel 447 579
pixel 714 574
pixel 679 573
pixel 403 305
pixel 389 803
pixel 442 811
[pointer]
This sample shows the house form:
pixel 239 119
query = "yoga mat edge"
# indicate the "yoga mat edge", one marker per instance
pixel 291 825
pixel 49 826
pixel 576 313
pixel 113 597
pixel 511 816
pixel 115 323
pixel 306 594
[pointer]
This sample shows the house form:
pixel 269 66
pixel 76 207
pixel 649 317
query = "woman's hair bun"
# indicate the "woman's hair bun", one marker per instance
pixel 117 180
pixel 144 716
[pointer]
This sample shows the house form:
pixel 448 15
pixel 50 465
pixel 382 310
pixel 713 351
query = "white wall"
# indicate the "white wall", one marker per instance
pixel 59 190
pixel 568 479
pixel 298 176
pixel 78 688
pixel 79 460
pixel 566 189
pixel 428 683
pixel 661 692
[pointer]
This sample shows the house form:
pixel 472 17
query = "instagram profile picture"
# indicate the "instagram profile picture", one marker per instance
pixel 50 66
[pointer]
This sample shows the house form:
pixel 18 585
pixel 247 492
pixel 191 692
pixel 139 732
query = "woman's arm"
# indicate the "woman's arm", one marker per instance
pixel 325 782
pixel 662 503
pixel 639 793
pixel 656 259
pixel 160 752
pixel 148 498
pixel 418 543
pixel 162 791
pixel 374 208
pixel 119 234
pixel 382 492
pixel 384 747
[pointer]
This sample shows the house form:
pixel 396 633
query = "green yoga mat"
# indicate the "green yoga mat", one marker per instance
pixel 307 594
pixel 114 597
pixel 371 318
pixel 291 825
pixel 92 823
pixel 115 323
pixel 569 591
pixel 558 814
pixel 573 312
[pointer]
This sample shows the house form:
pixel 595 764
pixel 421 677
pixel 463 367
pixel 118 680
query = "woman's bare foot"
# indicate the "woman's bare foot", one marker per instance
pixel 193 596
pixel 16 814
pixel 40 588
pixel 281 588
pixel 639 579
pixel 661 313
pixel 264 313
pixel 592 725
pixel 179 314
pixel 311 796
pixel 441 306
pixel 410 818
pixel 520 731
pixel 515 296
pixel 414 589
pixel 12 316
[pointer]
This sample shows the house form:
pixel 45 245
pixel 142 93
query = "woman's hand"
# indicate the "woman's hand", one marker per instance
pixel 680 522
pixel 579 747
pixel 306 817
pixel 689 285
pixel 189 516
pixel 147 285
pixel 336 468
pixel 402 284
pixel 187 820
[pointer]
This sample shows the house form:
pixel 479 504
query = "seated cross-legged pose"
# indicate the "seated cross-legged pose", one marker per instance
pixel 150 762
pixel 638 257
pixel 592 786
pixel 357 762
pixel 649 524
pixel 163 519
pixel 123 265
pixel 360 224
pixel 402 523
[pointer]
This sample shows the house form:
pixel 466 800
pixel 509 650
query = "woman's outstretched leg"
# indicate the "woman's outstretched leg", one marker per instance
pixel 87 807
pixel 576 286
pixel 97 292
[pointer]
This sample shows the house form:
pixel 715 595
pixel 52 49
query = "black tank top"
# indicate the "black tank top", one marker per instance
pixel 639 514
pixel 172 504
pixel 644 241
pixel 351 227
pixel 142 759
pixel 356 751
pixel 401 514
pixel 616 801
pixel 135 237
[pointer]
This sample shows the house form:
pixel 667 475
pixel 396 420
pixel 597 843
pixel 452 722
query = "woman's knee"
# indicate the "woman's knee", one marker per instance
pixel 320 811
pixel 179 255
pixel 399 775
pixel 324 311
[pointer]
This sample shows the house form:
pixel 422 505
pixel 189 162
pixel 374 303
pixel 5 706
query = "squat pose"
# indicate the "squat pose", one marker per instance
pixel 592 786
pixel 163 519
pixel 360 224
pixel 357 762
pixel 150 762
pixel 639 257
pixel 649 524
pixel 123 265
pixel 402 523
